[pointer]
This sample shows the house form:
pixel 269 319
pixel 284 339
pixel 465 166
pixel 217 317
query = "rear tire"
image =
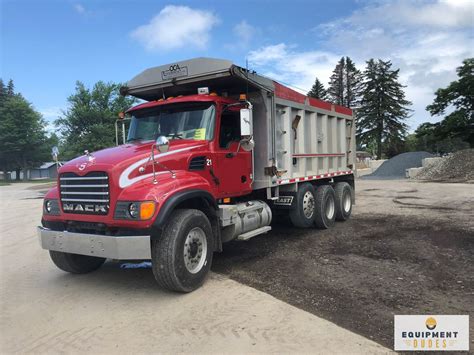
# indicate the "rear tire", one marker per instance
pixel 325 207
pixel 75 263
pixel 343 201
pixel 302 215
pixel 182 254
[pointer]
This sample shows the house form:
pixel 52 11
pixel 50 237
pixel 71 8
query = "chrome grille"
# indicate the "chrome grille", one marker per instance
pixel 87 194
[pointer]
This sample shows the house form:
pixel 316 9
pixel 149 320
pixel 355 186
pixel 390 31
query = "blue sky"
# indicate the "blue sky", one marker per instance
pixel 47 45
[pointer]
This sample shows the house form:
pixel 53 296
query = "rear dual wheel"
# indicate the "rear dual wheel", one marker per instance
pixel 321 206
pixel 303 213
pixel 325 204
pixel 343 193
pixel 314 207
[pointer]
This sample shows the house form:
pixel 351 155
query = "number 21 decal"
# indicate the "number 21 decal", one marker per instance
pixel 208 162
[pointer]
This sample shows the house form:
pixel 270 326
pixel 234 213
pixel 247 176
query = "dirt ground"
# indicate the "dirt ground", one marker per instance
pixel 408 249
pixel 122 311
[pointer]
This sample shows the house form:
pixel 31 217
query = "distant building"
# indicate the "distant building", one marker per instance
pixel 46 171
pixel 363 156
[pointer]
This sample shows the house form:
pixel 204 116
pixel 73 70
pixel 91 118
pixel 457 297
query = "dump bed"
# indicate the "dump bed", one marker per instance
pixel 297 138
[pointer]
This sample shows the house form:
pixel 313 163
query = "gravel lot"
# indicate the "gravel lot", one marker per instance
pixel 395 167
pixel 409 249
pixel 116 311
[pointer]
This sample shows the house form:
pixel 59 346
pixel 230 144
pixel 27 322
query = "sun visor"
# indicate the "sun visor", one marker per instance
pixel 185 77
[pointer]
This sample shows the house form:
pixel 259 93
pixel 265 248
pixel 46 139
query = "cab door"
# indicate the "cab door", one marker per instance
pixel 233 165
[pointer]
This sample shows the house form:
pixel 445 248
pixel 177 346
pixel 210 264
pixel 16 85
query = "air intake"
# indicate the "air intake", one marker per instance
pixel 197 163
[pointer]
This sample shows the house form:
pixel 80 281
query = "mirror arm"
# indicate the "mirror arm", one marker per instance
pixel 152 158
pixel 249 105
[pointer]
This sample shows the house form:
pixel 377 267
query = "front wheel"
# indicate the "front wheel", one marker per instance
pixel 182 254
pixel 75 263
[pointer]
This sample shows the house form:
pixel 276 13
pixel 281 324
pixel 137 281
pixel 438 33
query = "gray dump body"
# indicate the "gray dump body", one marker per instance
pixel 296 138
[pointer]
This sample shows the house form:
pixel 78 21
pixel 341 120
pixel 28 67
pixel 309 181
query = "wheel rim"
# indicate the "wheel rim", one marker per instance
pixel 330 208
pixel 195 250
pixel 308 204
pixel 347 202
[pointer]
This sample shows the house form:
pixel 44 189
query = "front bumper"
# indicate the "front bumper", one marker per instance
pixel 104 246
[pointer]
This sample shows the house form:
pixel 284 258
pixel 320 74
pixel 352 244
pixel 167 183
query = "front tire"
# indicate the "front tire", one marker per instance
pixel 325 207
pixel 75 263
pixel 302 215
pixel 182 254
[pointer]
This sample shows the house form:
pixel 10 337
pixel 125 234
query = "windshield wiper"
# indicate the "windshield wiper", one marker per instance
pixel 175 136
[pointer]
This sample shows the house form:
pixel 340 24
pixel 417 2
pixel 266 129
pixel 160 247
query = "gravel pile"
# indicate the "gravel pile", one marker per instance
pixel 456 167
pixel 395 168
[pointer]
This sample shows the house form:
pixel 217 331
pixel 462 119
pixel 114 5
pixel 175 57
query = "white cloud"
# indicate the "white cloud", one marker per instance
pixel 295 68
pixel 244 31
pixel 176 27
pixel 50 114
pixel 426 40
pixel 79 9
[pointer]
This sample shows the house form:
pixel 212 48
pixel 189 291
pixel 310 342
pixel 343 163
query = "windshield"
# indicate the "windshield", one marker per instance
pixel 174 121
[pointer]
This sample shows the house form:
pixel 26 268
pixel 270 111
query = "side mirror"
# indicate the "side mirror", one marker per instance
pixel 246 127
pixel 162 144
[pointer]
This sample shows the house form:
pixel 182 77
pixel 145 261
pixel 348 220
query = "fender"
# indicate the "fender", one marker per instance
pixel 176 199
pixel 173 201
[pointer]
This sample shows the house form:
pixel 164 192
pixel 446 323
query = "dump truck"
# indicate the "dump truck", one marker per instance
pixel 213 154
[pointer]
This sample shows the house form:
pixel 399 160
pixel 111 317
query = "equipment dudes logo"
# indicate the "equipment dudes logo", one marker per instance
pixel 431 333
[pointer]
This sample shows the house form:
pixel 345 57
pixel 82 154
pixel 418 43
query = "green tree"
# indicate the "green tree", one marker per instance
pixel 345 83
pixel 383 108
pixel 352 84
pixel 459 94
pixel 89 120
pixel 23 140
pixel 435 138
pixel 318 91
pixel 3 91
pixel 10 88
pixel 336 83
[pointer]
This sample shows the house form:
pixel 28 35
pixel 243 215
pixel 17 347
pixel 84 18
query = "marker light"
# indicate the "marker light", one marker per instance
pixel 203 91
pixel 243 97
pixel 147 209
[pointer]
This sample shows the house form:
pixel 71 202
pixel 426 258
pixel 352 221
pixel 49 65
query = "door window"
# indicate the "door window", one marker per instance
pixel 230 128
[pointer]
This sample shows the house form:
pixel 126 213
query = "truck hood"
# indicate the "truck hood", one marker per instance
pixel 123 162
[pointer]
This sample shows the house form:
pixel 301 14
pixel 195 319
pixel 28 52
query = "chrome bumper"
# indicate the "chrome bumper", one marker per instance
pixel 125 248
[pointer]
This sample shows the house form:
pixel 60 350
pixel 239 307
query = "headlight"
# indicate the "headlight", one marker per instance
pixel 51 207
pixel 133 210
